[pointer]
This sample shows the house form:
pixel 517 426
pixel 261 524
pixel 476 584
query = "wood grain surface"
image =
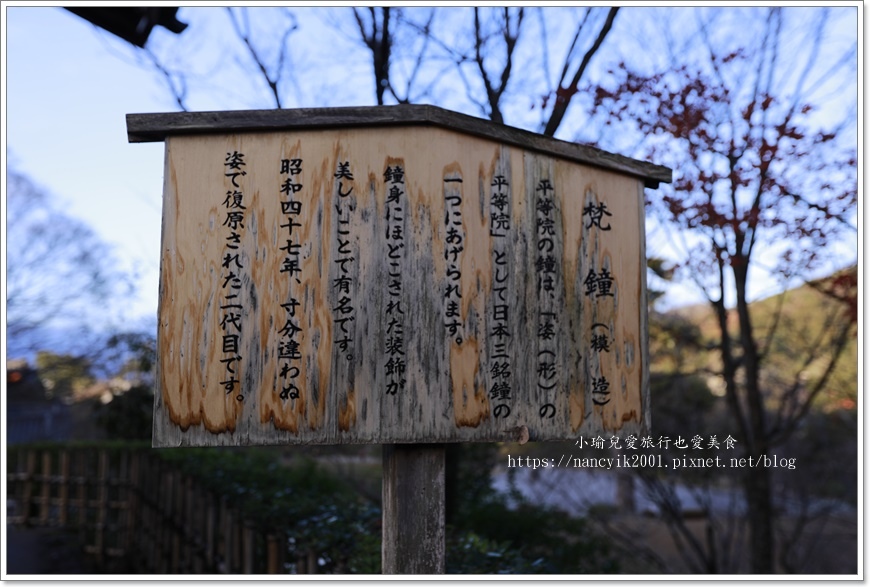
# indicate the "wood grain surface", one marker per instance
pixel 440 287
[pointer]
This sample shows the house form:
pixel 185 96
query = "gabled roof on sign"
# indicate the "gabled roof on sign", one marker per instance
pixel 143 128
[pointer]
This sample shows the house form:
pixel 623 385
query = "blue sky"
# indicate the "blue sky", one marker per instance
pixel 66 100
pixel 69 87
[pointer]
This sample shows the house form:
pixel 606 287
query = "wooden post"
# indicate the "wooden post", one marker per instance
pixel 413 509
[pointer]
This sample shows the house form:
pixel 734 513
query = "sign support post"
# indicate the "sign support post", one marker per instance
pixel 413 509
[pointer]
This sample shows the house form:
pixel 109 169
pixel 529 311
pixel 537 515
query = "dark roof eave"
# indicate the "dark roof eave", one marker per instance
pixel 156 127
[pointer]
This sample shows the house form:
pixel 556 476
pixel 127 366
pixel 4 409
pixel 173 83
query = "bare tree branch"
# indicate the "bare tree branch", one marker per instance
pixel 495 92
pixel 764 350
pixel 176 84
pixel 51 255
pixel 243 32
pixel 790 423
pixel 419 62
pixel 565 93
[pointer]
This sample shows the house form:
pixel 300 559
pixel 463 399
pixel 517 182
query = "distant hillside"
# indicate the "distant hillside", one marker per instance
pixel 793 329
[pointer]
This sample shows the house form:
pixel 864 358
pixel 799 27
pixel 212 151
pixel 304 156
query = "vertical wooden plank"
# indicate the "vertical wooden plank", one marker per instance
pixel 163 513
pixel 176 559
pixel 156 514
pixel 192 536
pixel 82 492
pixel 311 562
pixel 182 517
pixel 161 538
pixel 210 527
pixel 64 487
pixel 413 509
pixel 131 518
pixel 45 489
pixel 140 532
pixel 16 464
pixel 249 549
pixel 236 531
pixel 176 521
pixel 198 529
pixel 142 510
pixel 102 505
pixel 120 504
pixel 226 538
pixel 274 554
pixel 164 538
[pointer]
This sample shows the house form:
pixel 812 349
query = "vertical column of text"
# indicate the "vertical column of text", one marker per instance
pixel 500 358
pixel 394 181
pixel 344 313
pixel 290 334
pixel 231 275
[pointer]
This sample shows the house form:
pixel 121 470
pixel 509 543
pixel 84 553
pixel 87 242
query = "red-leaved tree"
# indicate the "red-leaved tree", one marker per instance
pixel 755 192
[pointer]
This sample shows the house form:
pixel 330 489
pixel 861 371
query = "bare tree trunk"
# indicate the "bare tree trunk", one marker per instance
pixel 758 490
pixel 379 40
pixel 760 516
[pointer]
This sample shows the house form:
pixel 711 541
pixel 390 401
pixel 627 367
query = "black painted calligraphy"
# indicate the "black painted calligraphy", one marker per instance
pixel 600 342
pixel 600 391
pixel 394 343
pixel 454 245
pixel 595 214
pixel 547 369
pixel 232 268
pixel 344 312
pixel 500 359
pixel 545 264
pixel 288 325
pixel 598 286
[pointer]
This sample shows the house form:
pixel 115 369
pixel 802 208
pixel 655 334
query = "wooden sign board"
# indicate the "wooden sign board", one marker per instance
pixel 395 275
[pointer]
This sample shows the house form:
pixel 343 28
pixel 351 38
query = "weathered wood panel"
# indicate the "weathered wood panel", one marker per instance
pixel 392 285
